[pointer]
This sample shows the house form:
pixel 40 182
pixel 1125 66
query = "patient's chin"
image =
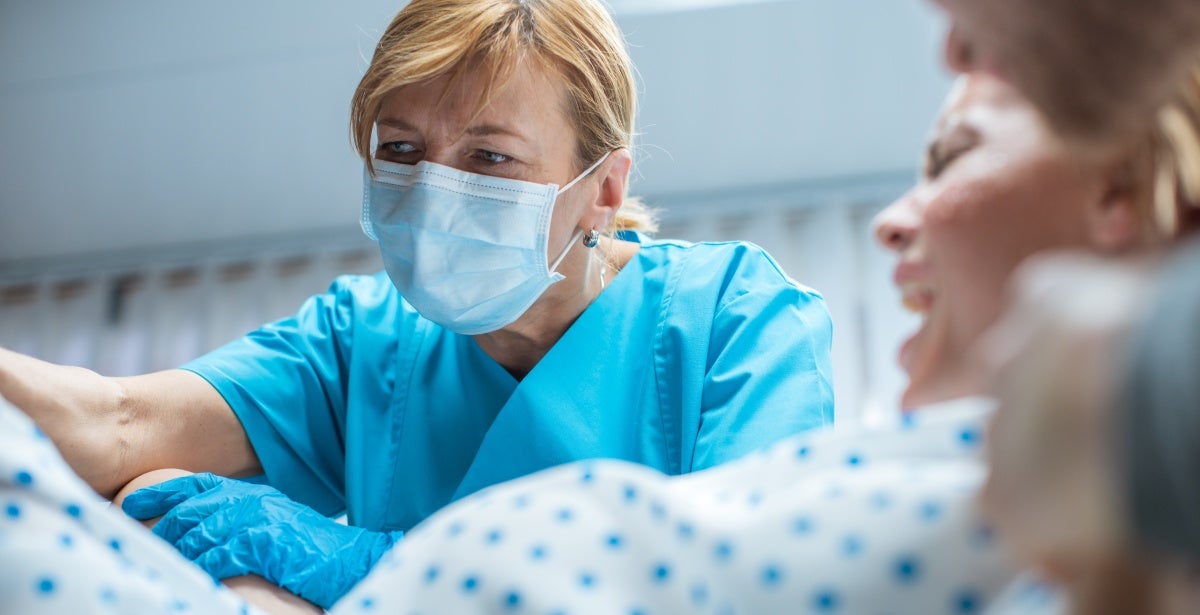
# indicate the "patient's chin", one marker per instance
pixel 148 479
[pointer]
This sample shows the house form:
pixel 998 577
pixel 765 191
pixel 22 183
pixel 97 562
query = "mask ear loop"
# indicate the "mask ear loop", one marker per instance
pixel 579 232
pixel 559 260
pixel 584 174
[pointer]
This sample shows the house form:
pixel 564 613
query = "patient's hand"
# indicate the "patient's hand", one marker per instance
pixel 253 588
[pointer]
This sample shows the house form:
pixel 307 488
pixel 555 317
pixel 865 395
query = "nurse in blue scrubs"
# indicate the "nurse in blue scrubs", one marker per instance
pixel 523 321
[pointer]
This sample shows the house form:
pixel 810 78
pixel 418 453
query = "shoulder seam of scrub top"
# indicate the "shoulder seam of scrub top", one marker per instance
pixel 670 429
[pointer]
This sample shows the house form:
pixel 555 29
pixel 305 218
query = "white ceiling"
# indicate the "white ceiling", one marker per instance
pixel 140 123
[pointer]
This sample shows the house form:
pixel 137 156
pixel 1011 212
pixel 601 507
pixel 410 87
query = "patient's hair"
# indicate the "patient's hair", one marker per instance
pixel 1095 67
pixel 1177 192
pixel 576 40
pixel 1165 166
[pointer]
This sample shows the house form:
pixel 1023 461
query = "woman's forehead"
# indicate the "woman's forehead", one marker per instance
pixel 528 96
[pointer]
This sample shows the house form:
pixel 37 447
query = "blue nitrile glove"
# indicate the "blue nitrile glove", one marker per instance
pixel 230 528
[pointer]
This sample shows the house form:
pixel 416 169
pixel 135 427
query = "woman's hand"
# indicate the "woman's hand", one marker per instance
pixel 231 528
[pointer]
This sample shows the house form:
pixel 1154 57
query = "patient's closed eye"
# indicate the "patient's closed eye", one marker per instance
pixel 947 148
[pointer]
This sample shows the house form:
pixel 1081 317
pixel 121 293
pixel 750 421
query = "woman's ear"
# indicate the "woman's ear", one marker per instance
pixel 614 181
pixel 1114 223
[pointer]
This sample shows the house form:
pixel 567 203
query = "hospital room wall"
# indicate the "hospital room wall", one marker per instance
pixel 124 321
pixel 177 173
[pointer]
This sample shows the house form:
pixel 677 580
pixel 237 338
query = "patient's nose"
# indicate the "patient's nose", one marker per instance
pixel 896 226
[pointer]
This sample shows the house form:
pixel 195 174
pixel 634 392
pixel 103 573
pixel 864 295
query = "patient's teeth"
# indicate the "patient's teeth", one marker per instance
pixel 916 297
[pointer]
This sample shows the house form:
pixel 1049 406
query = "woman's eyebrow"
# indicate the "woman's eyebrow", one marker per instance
pixel 488 130
pixel 398 124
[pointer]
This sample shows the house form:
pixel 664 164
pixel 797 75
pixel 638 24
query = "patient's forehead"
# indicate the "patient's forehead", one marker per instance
pixel 978 89
pixel 986 104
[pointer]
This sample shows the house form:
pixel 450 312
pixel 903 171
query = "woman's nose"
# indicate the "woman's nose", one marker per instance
pixel 896 226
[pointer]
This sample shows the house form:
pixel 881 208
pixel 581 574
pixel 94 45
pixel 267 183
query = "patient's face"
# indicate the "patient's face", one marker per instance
pixel 996 188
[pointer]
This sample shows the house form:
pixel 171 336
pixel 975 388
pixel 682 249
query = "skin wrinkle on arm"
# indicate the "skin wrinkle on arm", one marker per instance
pixel 178 420
pixel 111 430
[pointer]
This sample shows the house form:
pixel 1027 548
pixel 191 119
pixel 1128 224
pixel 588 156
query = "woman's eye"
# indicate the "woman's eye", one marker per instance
pixel 398 147
pixel 492 157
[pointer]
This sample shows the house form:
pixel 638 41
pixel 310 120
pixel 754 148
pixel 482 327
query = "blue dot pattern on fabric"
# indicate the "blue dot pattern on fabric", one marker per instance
pixel 658 510
pixel 45 586
pixel 723 551
pixel 24 478
pixel 908 569
pixel 930 511
pixel 670 547
pixel 967 601
pixel 12 511
pixel 470 584
pixel 512 601
pixel 852 546
pixel 771 575
pixel 880 500
pixel 826 601
pixel 73 510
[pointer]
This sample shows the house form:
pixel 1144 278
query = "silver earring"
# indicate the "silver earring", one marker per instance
pixel 591 239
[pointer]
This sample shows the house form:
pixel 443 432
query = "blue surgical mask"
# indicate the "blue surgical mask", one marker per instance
pixel 467 251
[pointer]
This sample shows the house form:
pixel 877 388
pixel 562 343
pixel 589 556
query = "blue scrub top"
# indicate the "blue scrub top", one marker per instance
pixel 694 355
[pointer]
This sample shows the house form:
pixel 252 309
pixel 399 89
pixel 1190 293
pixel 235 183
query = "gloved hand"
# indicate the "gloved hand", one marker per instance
pixel 230 528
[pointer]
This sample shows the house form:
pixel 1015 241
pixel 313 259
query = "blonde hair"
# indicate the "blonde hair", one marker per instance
pixel 1176 159
pixel 576 39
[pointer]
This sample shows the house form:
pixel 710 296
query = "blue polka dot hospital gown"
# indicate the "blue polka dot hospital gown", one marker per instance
pixel 859 522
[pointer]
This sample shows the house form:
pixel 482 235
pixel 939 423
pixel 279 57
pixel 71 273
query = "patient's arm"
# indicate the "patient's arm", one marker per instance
pixel 253 588
pixel 111 430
